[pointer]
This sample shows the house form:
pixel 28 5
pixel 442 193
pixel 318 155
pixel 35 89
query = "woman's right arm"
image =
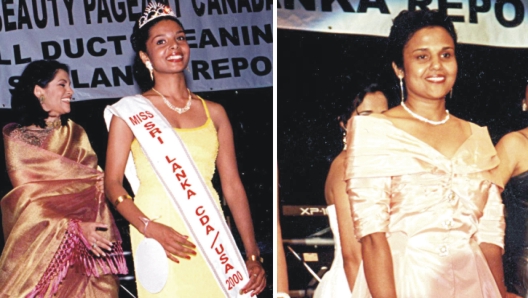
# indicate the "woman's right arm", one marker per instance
pixel 369 191
pixel 370 201
pixel 377 264
pixel 120 139
pixel 336 193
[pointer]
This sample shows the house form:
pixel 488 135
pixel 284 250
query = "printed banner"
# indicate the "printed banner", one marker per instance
pixel 501 23
pixel 231 43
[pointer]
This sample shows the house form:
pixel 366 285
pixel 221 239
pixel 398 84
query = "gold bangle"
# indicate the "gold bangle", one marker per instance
pixel 256 258
pixel 121 199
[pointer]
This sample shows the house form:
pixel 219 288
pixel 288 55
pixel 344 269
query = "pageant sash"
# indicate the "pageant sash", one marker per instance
pixel 186 189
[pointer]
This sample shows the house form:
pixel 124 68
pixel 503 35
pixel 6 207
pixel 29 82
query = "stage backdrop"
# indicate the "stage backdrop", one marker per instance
pixel 231 43
pixel 485 22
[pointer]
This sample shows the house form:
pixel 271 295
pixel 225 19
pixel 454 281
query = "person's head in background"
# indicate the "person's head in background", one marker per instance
pixel 371 99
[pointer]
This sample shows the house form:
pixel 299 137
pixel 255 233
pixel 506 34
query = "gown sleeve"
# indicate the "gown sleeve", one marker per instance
pixel 492 224
pixel 370 203
pixel 367 187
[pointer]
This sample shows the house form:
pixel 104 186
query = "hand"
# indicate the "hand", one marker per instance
pixel 92 232
pixel 174 243
pixel 257 278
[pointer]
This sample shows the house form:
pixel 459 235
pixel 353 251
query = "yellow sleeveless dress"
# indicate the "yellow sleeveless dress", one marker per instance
pixel 189 278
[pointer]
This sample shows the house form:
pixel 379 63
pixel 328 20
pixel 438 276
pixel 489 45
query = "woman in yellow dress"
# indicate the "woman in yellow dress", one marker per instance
pixel 203 126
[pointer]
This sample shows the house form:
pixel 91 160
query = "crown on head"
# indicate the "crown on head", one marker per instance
pixel 153 11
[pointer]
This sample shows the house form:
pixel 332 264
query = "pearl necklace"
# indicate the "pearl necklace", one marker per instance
pixel 423 118
pixel 174 108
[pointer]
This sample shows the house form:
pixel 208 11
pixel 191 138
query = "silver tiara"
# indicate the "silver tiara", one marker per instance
pixel 155 10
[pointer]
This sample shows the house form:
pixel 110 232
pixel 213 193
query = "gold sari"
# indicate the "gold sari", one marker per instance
pixel 54 184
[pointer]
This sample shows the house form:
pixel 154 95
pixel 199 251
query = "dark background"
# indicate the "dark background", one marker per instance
pixel 320 73
pixel 250 112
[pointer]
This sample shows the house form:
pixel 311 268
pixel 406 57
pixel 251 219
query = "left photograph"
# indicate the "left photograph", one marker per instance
pixel 138 149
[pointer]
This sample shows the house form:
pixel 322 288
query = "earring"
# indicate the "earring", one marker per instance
pixel 344 141
pixel 451 94
pixel 524 106
pixel 150 69
pixel 41 99
pixel 401 89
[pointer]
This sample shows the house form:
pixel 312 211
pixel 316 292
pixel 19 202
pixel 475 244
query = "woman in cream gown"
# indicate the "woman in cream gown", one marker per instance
pixel 426 207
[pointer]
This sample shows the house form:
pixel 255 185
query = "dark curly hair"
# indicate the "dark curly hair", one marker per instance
pixel 138 39
pixel 348 109
pixel 24 103
pixel 407 23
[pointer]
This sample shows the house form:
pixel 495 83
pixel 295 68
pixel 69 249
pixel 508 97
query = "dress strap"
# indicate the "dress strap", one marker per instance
pixel 205 107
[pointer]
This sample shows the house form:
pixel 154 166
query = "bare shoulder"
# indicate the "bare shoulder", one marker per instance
pixel 512 152
pixel 514 139
pixel 215 109
pixel 217 113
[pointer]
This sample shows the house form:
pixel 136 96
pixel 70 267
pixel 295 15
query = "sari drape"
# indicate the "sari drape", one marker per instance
pixel 54 188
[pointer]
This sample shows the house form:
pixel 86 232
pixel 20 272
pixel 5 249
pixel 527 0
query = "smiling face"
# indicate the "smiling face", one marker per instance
pixel 429 64
pixel 167 48
pixel 56 95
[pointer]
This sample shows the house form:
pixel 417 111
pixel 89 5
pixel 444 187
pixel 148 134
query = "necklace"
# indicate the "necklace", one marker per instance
pixel 174 108
pixel 55 123
pixel 423 118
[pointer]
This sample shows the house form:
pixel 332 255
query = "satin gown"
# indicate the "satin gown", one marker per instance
pixel 516 251
pixel 189 278
pixel 434 210
pixel 334 283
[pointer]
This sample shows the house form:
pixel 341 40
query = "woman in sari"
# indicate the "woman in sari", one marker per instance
pixel 60 236
pixel 153 127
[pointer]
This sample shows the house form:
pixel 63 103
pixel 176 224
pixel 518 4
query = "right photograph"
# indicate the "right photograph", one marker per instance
pixel 402 132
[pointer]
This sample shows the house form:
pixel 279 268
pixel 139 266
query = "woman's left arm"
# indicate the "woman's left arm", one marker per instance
pixel 236 198
pixel 493 254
